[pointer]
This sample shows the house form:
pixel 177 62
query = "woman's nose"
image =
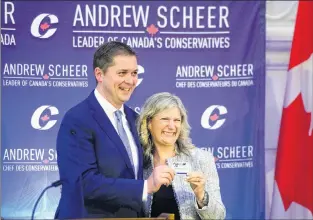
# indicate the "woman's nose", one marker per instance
pixel 171 124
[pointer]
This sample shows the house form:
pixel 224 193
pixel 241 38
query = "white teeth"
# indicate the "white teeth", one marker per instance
pixel 169 133
pixel 125 89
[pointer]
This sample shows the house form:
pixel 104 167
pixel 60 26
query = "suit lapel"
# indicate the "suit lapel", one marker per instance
pixel 106 125
pixel 132 124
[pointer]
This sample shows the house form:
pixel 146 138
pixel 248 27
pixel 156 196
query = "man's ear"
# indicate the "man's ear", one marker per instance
pixel 98 74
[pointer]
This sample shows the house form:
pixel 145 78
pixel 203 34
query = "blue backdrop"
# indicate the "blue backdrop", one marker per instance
pixel 211 54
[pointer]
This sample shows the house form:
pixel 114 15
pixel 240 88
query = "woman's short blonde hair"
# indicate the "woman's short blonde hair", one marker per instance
pixel 158 103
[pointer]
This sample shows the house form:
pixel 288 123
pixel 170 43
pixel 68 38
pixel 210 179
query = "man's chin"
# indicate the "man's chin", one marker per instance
pixel 126 95
pixel 124 98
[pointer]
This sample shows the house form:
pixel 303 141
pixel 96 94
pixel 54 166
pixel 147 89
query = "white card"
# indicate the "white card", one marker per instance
pixel 181 168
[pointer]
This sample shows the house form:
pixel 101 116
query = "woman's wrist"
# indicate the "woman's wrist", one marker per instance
pixel 200 197
pixel 203 200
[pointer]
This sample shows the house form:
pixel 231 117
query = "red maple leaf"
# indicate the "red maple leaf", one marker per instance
pixel 215 77
pixel 44 26
pixel 45 161
pixel 152 29
pixel 214 117
pixel 294 164
pixel 45 117
pixel 46 76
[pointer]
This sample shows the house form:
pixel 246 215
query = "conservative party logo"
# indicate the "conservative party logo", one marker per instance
pixel 43 25
pixel 41 118
pixel 213 117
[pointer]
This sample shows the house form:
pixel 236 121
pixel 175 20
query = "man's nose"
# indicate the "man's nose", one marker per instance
pixel 130 79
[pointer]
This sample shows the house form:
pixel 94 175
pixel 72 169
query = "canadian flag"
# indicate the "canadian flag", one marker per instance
pixel 293 188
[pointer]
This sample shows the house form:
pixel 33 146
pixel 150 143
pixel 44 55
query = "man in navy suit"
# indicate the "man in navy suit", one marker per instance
pixel 100 158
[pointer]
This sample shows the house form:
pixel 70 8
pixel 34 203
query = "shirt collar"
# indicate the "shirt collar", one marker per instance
pixel 106 105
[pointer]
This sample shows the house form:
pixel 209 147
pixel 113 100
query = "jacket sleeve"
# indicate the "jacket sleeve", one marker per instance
pixel 215 208
pixel 77 159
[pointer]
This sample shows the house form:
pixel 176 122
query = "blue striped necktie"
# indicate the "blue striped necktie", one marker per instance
pixel 123 135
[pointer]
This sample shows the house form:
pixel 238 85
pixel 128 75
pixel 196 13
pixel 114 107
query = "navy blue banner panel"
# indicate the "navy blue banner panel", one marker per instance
pixel 209 53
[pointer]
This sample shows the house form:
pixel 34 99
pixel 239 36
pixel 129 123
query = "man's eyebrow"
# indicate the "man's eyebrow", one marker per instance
pixel 126 70
pixel 122 70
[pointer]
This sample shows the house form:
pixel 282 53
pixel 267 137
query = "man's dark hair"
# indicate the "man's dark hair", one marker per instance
pixel 103 57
